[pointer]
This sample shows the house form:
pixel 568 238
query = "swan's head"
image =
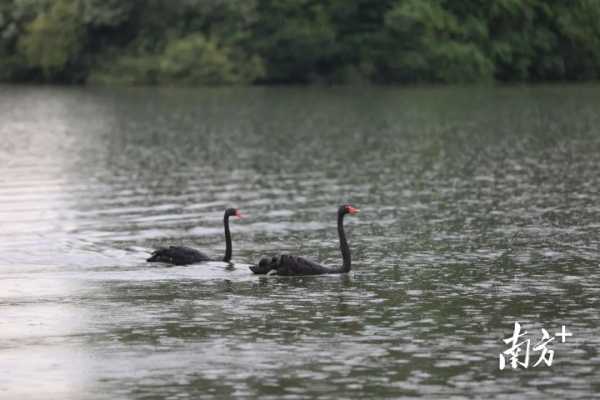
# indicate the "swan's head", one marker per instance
pixel 265 265
pixel 348 209
pixel 233 212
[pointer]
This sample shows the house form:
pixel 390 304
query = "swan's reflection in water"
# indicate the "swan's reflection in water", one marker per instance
pixel 475 213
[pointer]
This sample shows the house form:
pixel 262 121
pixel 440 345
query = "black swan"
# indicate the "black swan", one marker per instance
pixel 291 265
pixel 181 255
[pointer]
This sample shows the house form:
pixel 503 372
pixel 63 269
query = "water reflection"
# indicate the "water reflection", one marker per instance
pixel 478 209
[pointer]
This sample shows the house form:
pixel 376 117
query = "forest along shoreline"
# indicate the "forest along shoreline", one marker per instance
pixel 299 41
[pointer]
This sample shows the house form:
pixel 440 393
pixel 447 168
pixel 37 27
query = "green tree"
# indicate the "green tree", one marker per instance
pixel 523 43
pixel 297 40
pixel 196 43
pixel 578 24
pixel 428 43
pixel 54 39
pixel 14 17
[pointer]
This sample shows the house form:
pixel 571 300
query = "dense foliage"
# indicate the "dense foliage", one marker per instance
pixel 301 41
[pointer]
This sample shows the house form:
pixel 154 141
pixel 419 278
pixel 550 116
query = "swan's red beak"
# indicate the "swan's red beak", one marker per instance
pixel 238 214
pixel 352 210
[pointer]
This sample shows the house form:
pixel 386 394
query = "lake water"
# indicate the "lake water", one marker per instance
pixel 479 208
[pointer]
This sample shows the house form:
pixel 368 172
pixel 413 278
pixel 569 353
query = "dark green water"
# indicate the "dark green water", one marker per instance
pixel 479 208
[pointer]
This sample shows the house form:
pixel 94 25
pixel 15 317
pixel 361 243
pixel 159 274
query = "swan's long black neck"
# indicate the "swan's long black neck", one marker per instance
pixel 228 249
pixel 343 243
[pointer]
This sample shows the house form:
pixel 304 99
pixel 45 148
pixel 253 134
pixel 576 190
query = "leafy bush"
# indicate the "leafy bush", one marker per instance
pixel 128 69
pixel 196 60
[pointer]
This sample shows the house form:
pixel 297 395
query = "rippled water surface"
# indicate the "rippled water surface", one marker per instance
pixel 479 208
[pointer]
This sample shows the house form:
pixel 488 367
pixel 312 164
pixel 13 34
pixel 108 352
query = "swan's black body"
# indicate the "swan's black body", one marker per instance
pixel 292 265
pixel 181 255
pixel 178 255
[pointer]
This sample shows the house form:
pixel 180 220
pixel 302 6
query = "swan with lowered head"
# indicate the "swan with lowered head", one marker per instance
pixel 284 264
